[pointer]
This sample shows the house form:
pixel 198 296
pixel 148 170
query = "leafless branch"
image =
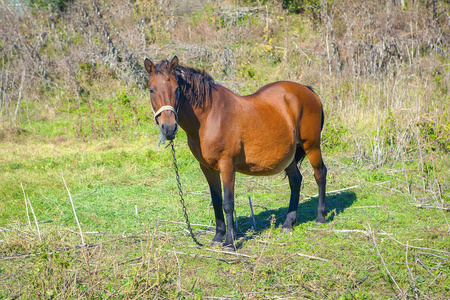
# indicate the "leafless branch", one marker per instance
pixel 312 257
pixel 369 229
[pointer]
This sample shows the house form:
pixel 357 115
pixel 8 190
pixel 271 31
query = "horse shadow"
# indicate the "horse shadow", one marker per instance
pixel 307 211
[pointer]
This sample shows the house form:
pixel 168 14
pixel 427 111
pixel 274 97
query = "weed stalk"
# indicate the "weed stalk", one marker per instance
pixel 74 211
pixel 26 205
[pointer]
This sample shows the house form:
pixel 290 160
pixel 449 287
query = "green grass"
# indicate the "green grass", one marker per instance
pixel 110 177
pixel 126 198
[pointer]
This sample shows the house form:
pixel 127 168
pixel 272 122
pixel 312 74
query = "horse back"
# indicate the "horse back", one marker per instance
pixel 300 100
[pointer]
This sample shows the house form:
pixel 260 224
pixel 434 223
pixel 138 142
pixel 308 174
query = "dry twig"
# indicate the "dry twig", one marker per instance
pixel 413 282
pixel 338 191
pixel 35 219
pixel 369 229
pixel 348 231
pixel 26 205
pixel 429 206
pixel 415 247
pixel 230 253
pixel 251 209
pixel 179 271
pixel 74 211
pixel 312 257
pixel 32 211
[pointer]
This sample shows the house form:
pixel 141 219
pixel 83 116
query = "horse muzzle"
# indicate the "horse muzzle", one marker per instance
pixel 169 130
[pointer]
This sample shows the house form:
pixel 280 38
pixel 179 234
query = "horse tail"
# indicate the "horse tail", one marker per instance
pixel 323 120
pixel 323 115
pixel 299 154
pixel 311 89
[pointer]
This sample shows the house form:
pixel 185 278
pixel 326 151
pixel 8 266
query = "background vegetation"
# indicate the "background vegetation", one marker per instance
pixel 75 122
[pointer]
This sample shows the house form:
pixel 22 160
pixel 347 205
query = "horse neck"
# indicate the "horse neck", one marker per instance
pixel 190 118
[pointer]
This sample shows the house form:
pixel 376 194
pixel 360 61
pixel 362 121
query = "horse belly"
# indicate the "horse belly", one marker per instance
pixel 265 159
pixel 268 140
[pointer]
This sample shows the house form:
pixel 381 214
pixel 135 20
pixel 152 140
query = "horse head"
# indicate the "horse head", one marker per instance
pixel 164 95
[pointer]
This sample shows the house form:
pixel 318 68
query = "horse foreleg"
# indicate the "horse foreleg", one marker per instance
pixel 213 179
pixel 295 181
pixel 228 179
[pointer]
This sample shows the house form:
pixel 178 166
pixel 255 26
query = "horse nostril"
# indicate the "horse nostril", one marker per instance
pixel 169 130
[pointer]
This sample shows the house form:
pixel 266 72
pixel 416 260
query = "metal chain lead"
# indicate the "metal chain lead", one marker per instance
pixel 180 192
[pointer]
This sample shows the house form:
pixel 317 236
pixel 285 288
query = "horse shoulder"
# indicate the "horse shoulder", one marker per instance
pixel 219 132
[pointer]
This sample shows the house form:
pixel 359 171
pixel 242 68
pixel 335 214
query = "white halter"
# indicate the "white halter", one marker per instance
pixel 163 108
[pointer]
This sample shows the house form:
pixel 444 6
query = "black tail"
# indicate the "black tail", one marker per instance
pixel 323 120
pixel 311 89
pixel 299 154
pixel 323 116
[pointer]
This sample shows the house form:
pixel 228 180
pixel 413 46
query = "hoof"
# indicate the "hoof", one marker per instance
pixel 229 247
pixel 286 229
pixel 215 243
pixel 320 222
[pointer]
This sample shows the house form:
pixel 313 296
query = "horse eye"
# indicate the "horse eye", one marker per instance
pixel 152 91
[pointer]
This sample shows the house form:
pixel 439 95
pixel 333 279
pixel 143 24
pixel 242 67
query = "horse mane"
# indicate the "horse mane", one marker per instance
pixel 196 85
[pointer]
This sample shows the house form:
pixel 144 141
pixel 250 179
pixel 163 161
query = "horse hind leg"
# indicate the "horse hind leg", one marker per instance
pixel 295 182
pixel 320 174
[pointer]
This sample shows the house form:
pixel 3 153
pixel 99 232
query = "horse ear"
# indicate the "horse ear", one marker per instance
pixel 173 63
pixel 149 66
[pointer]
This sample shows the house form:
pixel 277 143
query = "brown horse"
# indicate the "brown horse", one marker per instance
pixel 261 134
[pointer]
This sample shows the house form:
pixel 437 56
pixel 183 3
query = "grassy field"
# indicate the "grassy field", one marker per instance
pixel 87 134
pixel 377 243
